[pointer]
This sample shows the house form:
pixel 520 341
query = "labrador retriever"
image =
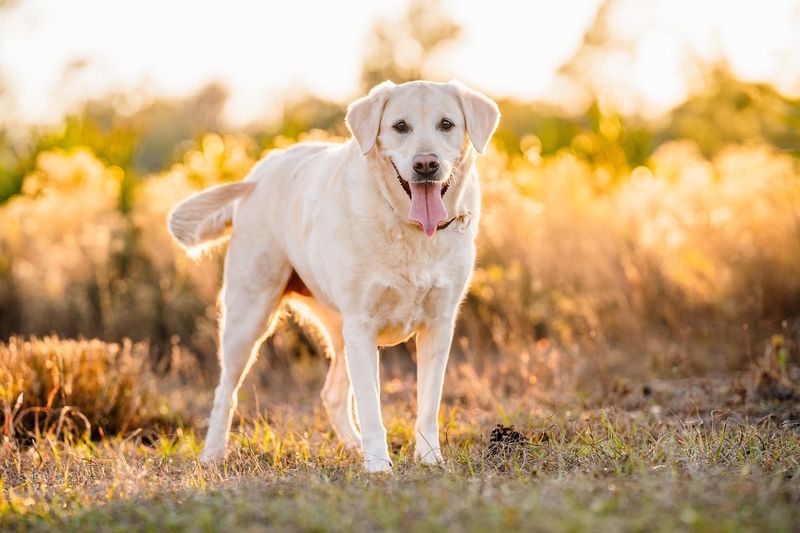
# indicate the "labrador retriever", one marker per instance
pixel 372 238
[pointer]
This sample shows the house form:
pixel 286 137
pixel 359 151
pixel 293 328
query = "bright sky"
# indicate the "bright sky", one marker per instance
pixel 267 51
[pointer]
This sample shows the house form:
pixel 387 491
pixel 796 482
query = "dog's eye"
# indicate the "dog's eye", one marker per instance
pixel 400 126
pixel 446 124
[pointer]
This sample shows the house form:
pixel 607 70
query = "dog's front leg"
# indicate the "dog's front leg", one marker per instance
pixel 362 364
pixel 433 349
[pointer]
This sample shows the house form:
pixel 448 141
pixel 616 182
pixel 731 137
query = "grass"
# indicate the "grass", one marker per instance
pixel 76 389
pixel 425 502
pixel 694 455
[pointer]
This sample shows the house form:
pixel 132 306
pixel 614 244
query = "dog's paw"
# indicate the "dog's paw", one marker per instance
pixel 212 455
pixel 429 456
pixel 377 465
pixel 351 443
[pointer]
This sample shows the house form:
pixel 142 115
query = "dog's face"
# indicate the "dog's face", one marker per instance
pixel 420 130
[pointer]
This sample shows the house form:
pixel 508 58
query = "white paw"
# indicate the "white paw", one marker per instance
pixel 428 455
pixel 350 438
pixel 212 454
pixel 351 444
pixel 375 465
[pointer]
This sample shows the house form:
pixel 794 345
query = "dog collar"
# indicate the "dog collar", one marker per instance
pixel 462 218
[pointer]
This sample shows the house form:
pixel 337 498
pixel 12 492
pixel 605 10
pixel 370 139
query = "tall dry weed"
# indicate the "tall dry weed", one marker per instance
pixel 584 270
pixel 75 388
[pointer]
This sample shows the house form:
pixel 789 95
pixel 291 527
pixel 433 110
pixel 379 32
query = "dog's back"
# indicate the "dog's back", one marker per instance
pixel 201 221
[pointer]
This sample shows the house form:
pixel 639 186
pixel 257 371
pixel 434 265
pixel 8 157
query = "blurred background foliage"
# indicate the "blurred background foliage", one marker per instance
pixel 610 242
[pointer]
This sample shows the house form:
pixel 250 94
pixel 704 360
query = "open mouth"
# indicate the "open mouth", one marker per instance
pixel 407 188
pixel 427 208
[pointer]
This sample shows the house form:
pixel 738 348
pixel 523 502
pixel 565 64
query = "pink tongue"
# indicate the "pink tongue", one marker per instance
pixel 427 207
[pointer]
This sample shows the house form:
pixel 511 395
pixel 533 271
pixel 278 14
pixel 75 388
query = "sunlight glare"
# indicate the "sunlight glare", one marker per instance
pixel 54 55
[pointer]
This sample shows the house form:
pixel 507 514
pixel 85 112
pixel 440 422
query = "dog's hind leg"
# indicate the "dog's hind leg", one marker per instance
pixel 256 273
pixel 337 393
pixel 337 397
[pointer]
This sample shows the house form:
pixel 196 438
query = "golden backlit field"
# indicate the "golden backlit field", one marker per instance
pixel 634 315
pixel 690 454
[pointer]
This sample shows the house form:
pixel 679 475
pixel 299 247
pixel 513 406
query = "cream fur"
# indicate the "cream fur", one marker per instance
pixel 336 215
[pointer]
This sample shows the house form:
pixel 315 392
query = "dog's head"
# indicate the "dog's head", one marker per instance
pixel 420 129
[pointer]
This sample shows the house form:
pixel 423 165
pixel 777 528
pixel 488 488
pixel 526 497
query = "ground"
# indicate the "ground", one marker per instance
pixel 670 455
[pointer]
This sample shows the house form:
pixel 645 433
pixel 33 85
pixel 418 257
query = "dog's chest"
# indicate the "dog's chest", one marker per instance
pixel 397 302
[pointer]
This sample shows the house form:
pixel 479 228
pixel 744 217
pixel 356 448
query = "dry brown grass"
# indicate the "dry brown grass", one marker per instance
pixel 75 390
pixel 692 454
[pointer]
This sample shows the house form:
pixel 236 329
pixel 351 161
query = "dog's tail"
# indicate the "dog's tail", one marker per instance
pixel 201 220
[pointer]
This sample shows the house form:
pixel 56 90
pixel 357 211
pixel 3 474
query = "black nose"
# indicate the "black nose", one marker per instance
pixel 425 164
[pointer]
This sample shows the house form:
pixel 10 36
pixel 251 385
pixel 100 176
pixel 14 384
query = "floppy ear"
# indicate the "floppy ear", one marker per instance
pixel 364 116
pixel 480 113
